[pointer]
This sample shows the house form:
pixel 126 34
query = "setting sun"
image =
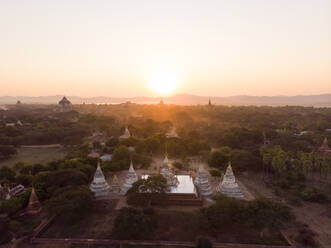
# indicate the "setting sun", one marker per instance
pixel 163 82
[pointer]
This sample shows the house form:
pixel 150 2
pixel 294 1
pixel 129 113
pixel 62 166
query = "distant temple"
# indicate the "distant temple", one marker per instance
pixel 99 185
pixel 161 102
pixel 229 186
pixel 167 173
pixel 34 205
pixel 126 134
pixel 65 104
pixel 172 133
pixel 202 183
pixel 131 178
pixel 209 103
pixel 324 148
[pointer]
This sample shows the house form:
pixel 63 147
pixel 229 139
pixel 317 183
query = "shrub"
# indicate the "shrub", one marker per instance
pixel 312 195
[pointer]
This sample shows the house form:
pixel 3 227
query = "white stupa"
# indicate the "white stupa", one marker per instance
pixel 202 182
pixel 99 185
pixel 126 134
pixel 167 173
pixel 229 186
pixel 131 178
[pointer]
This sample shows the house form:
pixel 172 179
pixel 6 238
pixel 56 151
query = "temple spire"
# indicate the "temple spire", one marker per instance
pixel 202 182
pixel 131 178
pixel 34 206
pixel 229 186
pixel 99 185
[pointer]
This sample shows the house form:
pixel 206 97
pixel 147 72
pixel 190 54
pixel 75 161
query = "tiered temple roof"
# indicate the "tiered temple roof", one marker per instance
pixel 167 173
pixel 115 186
pixel 34 205
pixel 229 186
pixel 99 185
pixel 131 178
pixel 202 182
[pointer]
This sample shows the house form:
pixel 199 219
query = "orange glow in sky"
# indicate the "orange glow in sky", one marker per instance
pixel 155 47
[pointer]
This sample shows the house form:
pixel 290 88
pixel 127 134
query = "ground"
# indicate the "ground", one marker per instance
pixel 35 155
pixel 316 216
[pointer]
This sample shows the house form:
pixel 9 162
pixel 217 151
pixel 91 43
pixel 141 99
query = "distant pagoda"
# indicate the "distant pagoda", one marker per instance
pixel 209 103
pixel 324 148
pixel 115 186
pixel 34 205
pixel 202 182
pixel 99 185
pixel 126 134
pixel 65 104
pixel 131 178
pixel 229 186
pixel 167 173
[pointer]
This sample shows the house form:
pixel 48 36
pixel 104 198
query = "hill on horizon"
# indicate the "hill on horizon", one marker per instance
pixel 321 100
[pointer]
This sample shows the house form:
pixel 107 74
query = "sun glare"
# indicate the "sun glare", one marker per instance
pixel 163 82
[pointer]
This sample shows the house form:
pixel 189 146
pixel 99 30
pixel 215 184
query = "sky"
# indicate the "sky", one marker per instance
pixel 133 48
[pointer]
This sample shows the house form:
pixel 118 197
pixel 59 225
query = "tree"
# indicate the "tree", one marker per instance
pixel 70 203
pixel 218 159
pixel 133 223
pixel 7 173
pixel 146 191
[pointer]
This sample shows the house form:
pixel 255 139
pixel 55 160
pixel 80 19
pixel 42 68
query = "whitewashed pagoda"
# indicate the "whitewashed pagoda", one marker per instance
pixel 202 182
pixel 167 173
pixel 324 148
pixel 99 185
pixel 229 186
pixel 131 178
pixel 126 134
pixel 34 205
pixel 115 186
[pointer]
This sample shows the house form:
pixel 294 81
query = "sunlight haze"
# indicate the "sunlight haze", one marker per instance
pixel 151 47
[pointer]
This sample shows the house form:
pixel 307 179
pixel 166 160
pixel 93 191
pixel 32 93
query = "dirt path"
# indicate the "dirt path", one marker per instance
pixel 315 216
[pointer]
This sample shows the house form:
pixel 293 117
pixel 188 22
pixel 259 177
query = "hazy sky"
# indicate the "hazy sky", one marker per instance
pixel 113 48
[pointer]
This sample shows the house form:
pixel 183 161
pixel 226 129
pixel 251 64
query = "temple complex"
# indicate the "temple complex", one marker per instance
pixel 65 104
pixel 99 185
pixel 131 178
pixel 324 148
pixel 126 134
pixel 202 182
pixel 229 186
pixel 34 205
pixel 167 173
pixel 115 186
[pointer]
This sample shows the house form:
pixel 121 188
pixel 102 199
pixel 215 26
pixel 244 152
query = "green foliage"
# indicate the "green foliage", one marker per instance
pixel 70 203
pixel 7 173
pixel 46 183
pixel 14 204
pixel 144 191
pixel 313 195
pixel 215 173
pixel 133 223
pixel 257 214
